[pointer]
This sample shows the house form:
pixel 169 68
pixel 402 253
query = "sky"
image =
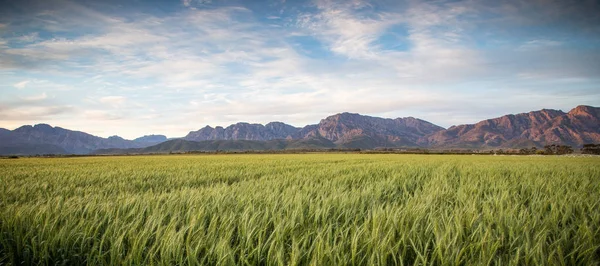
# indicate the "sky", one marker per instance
pixel 133 67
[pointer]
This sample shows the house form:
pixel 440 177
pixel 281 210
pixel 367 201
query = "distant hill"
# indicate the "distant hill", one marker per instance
pixel 182 145
pixel 579 126
pixel 45 139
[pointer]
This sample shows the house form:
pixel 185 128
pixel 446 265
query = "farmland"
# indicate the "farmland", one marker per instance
pixel 300 209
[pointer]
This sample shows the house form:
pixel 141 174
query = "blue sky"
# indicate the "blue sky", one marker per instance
pixel 137 67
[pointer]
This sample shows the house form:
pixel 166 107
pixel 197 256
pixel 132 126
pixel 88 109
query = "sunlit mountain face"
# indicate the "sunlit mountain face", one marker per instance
pixel 136 68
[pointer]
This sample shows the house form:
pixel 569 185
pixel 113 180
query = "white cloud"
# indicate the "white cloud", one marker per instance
pixel 21 84
pixel 344 31
pixel 435 53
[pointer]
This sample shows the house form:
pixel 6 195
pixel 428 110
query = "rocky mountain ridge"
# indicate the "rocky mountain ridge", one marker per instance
pixel 579 126
pixel 244 131
pixel 346 128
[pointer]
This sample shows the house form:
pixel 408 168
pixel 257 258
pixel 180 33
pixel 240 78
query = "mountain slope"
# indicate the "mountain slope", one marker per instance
pixel 30 149
pixel 538 128
pixel 579 126
pixel 4 132
pixel 368 132
pixel 151 139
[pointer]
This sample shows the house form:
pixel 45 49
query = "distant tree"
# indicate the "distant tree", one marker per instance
pixel 555 149
pixel 564 149
pixel 532 150
pixel 549 149
pixel 591 149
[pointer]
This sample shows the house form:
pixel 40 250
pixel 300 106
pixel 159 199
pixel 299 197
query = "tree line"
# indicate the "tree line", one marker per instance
pixel 553 149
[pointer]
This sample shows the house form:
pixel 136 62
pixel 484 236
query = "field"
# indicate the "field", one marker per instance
pixel 300 209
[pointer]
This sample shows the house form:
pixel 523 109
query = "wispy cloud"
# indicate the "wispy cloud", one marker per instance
pixel 344 30
pixel 113 101
pixel 101 115
pixel 189 3
pixel 35 98
pixel 538 44
pixel 21 84
pixel 33 113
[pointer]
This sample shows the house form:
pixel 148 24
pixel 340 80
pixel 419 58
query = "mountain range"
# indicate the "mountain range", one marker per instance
pixel 579 126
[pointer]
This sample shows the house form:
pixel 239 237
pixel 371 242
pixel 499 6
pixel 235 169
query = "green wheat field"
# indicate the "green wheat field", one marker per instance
pixel 300 209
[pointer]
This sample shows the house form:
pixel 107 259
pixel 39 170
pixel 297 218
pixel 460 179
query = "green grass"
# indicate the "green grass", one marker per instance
pixel 308 209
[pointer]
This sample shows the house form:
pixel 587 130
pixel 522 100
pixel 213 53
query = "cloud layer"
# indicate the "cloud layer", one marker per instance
pixel 169 68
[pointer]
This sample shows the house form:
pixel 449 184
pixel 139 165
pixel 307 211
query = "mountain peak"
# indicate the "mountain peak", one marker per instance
pixel 115 137
pixel 585 110
pixel 348 114
pixel 43 126
pixel 344 117
pixel 275 123
pixel 548 111
pixel 24 128
pixel 151 139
